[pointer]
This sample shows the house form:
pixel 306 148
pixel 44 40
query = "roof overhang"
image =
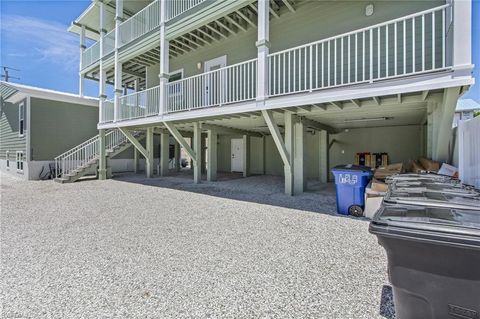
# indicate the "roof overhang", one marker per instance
pixel 14 93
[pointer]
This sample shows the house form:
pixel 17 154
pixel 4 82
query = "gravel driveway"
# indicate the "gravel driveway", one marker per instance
pixel 166 248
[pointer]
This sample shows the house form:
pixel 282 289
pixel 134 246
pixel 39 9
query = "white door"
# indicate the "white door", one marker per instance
pixel 237 155
pixel 213 80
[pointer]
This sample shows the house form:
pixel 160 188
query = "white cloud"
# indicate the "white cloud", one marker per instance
pixel 49 40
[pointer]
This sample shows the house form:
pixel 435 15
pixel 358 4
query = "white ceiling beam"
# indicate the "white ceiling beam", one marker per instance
pixel 288 5
pixel 237 24
pixel 357 103
pixel 216 31
pixel 377 100
pixel 243 16
pixel 337 104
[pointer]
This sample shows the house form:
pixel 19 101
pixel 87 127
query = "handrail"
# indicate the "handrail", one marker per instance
pixel 140 23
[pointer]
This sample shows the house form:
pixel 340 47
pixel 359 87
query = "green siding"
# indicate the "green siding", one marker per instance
pixel 313 21
pixel 59 126
pixel 9 131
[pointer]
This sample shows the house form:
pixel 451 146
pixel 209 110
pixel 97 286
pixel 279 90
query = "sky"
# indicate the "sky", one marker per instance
pixel 34 39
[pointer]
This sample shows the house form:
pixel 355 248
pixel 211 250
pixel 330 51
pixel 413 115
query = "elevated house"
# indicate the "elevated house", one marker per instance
pixel 279 87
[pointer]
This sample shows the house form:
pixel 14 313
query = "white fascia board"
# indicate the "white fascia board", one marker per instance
pixel 24 91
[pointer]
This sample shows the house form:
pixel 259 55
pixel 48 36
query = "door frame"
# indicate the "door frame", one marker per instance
pixel 241 159
pixel 222 61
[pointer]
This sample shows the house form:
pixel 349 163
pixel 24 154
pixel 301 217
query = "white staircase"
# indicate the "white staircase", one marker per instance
pixel 83 159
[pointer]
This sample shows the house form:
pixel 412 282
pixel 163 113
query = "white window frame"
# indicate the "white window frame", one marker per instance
pixel 21 119
pixel 7 157
pixel 20 161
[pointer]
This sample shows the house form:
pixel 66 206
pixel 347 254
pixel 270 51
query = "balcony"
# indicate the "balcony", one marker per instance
pixel 140 24
pixel 411 45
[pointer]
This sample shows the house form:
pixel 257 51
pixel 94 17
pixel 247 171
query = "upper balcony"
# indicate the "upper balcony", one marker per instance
pixel 140 24
pixel 407 46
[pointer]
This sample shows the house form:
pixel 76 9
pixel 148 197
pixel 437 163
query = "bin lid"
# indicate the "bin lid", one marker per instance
pixel 350 167
pixel 432 223
pixel 443 188
pixel 437 199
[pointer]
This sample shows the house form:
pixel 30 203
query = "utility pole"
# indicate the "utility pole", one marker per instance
pixel 6 74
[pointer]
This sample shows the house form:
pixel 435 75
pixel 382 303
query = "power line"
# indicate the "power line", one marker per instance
pixel 6 74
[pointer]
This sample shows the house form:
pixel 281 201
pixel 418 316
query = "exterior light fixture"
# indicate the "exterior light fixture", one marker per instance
pixel 199 65
pixel 369 9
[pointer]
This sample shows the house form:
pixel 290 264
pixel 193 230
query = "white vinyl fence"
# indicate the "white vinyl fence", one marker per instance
pixel 469 151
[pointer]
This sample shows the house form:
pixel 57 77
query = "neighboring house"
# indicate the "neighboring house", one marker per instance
pixel 278 87
pixel 36 125
pixel 465 110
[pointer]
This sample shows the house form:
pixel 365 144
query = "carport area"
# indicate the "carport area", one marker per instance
pixel 163 247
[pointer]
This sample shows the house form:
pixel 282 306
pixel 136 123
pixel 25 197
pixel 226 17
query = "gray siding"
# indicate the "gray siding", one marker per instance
pixel 9 131
pixel 314 20
pixel 59 126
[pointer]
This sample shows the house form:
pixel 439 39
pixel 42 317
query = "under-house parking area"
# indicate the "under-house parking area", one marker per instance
pixel 167 248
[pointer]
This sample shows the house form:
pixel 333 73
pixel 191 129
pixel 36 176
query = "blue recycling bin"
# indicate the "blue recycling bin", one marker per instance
pixel 350 183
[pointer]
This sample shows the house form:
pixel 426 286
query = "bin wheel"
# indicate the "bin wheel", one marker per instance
pixel 355 210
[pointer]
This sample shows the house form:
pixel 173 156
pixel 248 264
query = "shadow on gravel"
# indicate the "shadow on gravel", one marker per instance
pixel 387 307
pixel 261 189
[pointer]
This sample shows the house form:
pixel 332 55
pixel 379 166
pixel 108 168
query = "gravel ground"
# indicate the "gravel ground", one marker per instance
pixel 165 248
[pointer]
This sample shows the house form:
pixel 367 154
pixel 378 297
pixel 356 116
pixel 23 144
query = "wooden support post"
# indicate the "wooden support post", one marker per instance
pixel 149 149
pixel 246 155
pixel 164 153
pixel 212 155
pixel 178 155
pixel 299 178
pixel 135 160
pixel 102 159
pixel 180 139
pixel 324 158
pixel 197 146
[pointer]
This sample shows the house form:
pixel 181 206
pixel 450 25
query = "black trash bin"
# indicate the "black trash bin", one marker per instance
pixel 433 260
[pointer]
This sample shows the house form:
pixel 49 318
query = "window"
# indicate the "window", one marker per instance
pixel 19 161
pixel 7 156
pixel 21 119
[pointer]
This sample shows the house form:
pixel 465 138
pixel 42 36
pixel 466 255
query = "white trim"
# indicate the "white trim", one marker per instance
pixel 221 60
pixel 22 109
pixel 181 71
pixel 24 91
pixel 20 161
pixel 28 112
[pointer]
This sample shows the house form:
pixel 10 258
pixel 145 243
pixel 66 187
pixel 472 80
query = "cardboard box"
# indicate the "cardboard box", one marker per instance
pixel 385 171
pixel 448 170
pixel 379 186
pixel 417 167
pixel 372 205
pixel 429 165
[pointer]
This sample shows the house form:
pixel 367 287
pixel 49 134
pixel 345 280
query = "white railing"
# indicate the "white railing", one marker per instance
pixel 140 104
pixel 91 55
pixel 409 45
pixel 109 43
pixel 83 154
pixel 107 114
pixel 469 151
pixel 177 7
pixel 141 23
pixel 231 84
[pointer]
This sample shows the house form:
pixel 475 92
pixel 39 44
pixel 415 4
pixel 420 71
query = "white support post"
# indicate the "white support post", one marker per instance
pixel 81 84
pixel 444 125
pixel 430 139
pixel 289 145
pixel 178 160
pixel 299 180
pixel 164 153
pixel 102 96
pixel 135 160
pixel 246 155
pixel 149 151
pixel 118 64
pixel 102 159
pixel 204 153
pixel 323 156
pixel 263 45
pixel 197 147
pixel 164 58
pixel 212 155
pixel 462 37
pixel 264 154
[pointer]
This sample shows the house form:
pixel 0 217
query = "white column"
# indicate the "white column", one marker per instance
pixel 164 153
pixel 149 149
pixel 164 57
pixel 289 142
pixel 102 160
pixel 323 156
pixel 444 132
pixel 299 180
pixel 118 64
pixel 246 155
pixel 263 46
pixel 197 146
pixel 81 84
pixel 462 37
pixel 135 160
pixel 102 73
pixel 212 155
